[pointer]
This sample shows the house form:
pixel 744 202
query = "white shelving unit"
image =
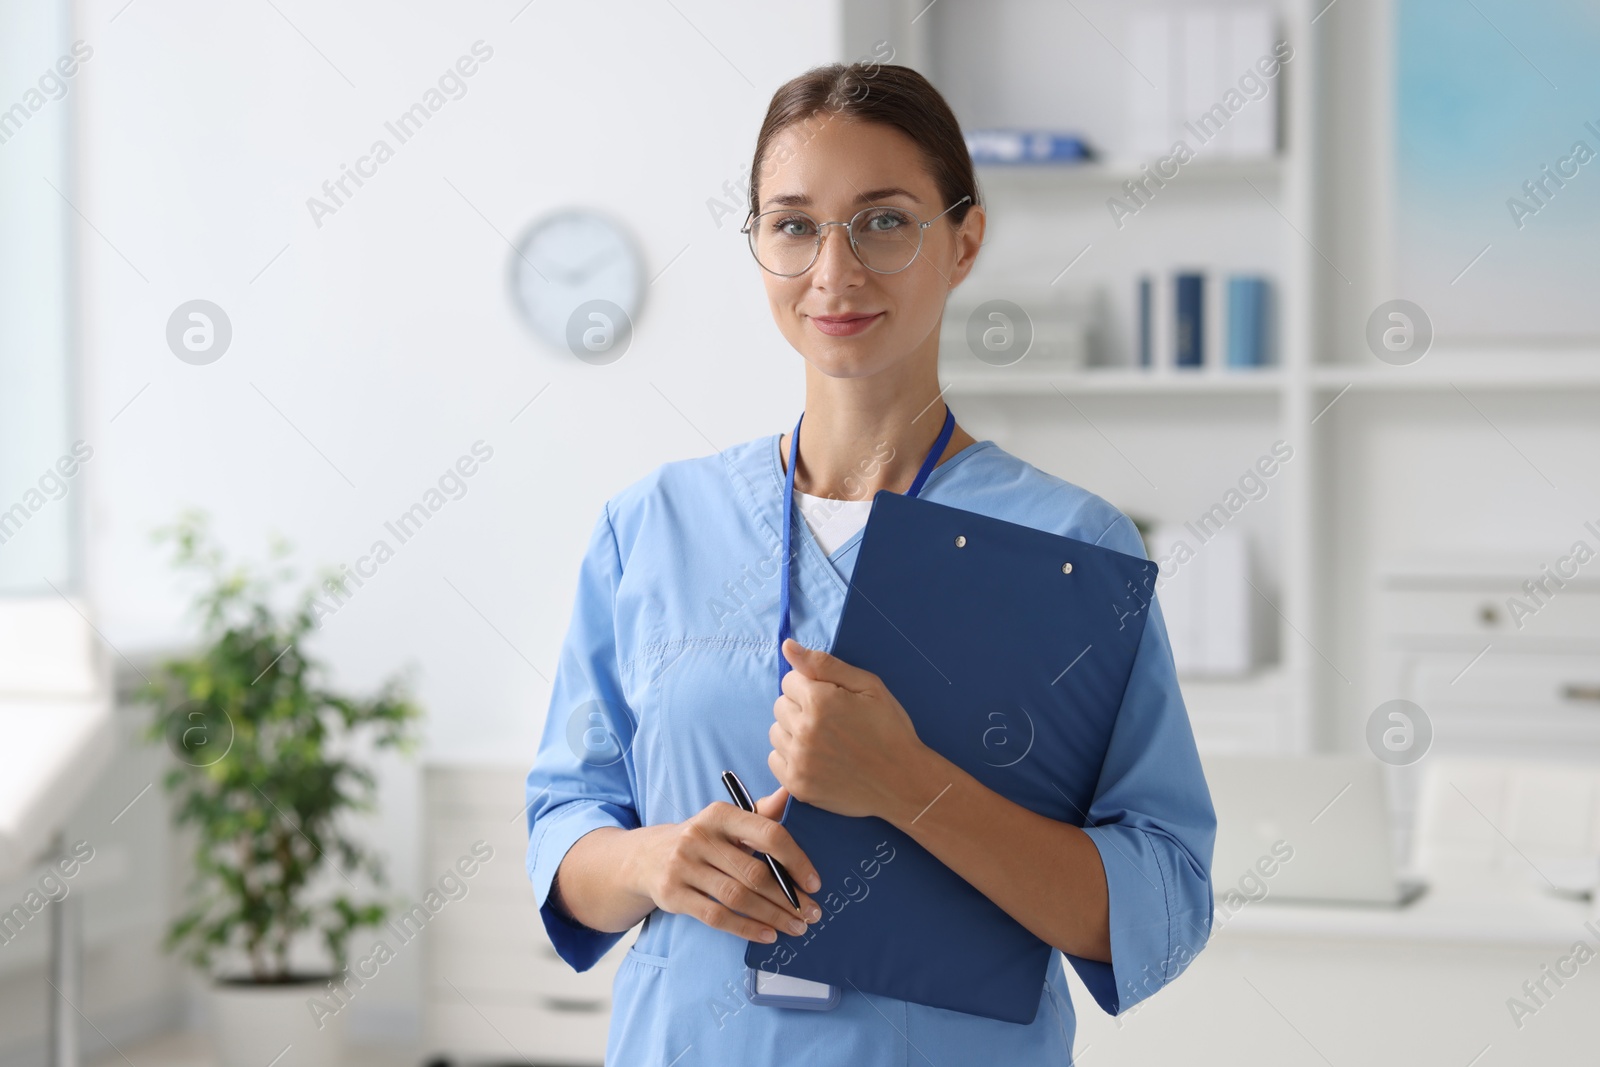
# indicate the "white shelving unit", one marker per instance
pixel 1447 455
pixel 1258 212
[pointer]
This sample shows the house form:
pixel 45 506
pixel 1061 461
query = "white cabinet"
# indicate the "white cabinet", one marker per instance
pixel 1492 678
pixel 495 990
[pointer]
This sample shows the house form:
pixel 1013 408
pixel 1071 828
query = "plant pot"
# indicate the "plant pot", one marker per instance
pixel 256 1024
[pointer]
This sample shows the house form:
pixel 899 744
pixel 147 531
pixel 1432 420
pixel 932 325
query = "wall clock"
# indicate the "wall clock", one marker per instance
pixel 577 279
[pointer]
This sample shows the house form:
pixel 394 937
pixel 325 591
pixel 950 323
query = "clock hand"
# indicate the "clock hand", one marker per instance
pixel 564 277
pixel 575 275
pixel 593 265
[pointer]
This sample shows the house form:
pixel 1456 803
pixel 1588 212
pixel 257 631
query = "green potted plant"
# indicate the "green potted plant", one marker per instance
pixel 267 774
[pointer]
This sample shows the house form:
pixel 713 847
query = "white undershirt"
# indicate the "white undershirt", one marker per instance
pixel 832 522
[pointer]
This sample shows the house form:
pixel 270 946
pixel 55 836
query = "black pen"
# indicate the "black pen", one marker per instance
pixel 741 797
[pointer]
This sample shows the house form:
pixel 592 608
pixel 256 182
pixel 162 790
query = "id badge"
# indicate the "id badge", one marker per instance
pixel 775 990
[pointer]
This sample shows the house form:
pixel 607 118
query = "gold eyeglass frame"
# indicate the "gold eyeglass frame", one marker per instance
pixel 748 231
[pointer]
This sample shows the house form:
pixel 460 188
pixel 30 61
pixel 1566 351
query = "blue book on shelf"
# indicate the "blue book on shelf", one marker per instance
pixel 1189 323
pixel 1146 324
pixel 1247 307
pixel 1026 146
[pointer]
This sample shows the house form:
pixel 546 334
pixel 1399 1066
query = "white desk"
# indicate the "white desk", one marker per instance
pixel 1285 984
pixel 52 749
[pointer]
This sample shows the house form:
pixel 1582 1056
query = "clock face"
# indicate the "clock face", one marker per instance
pixel 578 281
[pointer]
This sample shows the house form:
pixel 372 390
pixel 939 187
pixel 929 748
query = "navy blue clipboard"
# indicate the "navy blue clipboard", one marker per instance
pixel 1010 648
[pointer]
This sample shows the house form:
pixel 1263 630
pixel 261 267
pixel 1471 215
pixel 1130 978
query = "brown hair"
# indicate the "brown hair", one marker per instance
pixel 875 92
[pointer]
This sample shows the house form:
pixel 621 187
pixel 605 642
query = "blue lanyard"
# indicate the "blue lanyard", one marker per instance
pixel 928 464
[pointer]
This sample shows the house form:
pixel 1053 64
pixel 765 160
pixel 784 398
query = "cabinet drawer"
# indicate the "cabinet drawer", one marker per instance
pixel 1522 694
pixel 1570 613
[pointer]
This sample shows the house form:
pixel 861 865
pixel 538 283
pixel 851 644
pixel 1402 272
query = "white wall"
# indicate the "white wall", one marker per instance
pixel 386 337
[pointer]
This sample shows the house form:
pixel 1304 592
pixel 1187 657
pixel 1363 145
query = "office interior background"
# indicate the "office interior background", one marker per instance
pixel 1340 358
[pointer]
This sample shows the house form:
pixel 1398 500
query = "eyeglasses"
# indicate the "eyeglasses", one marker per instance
pixel 787 242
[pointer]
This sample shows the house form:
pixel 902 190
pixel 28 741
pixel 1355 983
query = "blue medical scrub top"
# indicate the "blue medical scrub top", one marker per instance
pixel 665 680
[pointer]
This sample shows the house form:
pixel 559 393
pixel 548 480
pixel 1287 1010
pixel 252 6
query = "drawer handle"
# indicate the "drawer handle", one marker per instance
pixel 564 1004
pixel 1589 693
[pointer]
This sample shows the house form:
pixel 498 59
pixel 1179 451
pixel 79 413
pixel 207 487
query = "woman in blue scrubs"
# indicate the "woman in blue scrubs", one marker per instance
pixel 864 215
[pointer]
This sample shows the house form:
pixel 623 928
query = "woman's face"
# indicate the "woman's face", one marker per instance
pixel 830 168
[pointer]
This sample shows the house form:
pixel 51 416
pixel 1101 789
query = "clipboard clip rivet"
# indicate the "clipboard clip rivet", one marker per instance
pixel 961 540
pixel 1066 568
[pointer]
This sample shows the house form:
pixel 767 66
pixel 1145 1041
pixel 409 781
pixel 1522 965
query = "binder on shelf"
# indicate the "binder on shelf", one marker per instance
pixel 1247 326
pixel 1186 64
pixel 1153 333
pixel 1228 601
pixel 1214 316
pixel 1143 340
pixel 1203 83
pixel 1026 146
pixel 1206 597
pixel 1161 334
pixel 1153 109
pixel 1247 38
pixel 1189 318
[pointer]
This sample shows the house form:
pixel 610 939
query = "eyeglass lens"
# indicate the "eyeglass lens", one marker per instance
pixel 786 242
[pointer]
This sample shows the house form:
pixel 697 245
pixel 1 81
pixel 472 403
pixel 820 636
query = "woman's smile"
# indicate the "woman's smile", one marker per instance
pixel 845 325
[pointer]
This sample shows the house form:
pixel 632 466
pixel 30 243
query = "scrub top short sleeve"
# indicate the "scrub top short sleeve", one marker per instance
pixel 581 779
pixel 1152 821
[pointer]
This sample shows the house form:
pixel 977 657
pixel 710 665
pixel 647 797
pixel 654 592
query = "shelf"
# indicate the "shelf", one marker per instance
pixel 1098 176
pixel 1113 381
pixel 1002 381
pixel 1527 376
pixel 1000 69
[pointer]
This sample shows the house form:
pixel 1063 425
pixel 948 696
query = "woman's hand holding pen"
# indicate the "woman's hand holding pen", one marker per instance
pixel 703 867
pixel 841 741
